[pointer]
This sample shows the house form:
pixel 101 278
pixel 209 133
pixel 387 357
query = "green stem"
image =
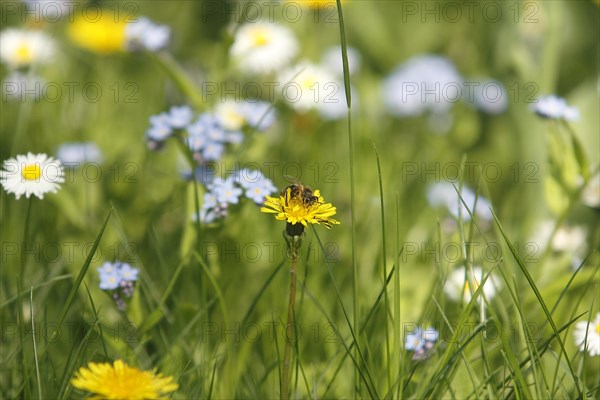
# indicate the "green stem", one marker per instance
pixel 181 79
pixel 290 326
pixel 24 241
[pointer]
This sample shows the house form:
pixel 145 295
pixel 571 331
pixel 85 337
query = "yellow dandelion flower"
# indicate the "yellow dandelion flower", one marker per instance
pixel 120 381
pixel 297 205
pixel 102 35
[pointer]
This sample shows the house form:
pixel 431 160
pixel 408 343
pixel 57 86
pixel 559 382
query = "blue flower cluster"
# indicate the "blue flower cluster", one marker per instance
pixel 210 132
pixel 207 137
pixel 420 341
pixel 118 277
pixel 224 192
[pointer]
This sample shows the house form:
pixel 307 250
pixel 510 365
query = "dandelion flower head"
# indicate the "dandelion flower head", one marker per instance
pixel 120 381
pixel 295 208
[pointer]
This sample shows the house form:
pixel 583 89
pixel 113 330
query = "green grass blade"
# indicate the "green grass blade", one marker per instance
pixel 384 260
pixel 35 354
pixel 352 188
pixel 82 272
pixel 541 301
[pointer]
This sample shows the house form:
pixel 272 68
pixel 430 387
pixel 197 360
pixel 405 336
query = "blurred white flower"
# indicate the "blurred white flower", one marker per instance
pixel 261 47
pixel 591 194
pixel 235 115
pixel 444 194
pixel 587 336
pixel 22 48
pixel 76 153
pixel 489 96
pixel 29 174
pixel 308 86
pixel 461 285
pixel 49 10
pixel 143 34
pixel 566 239
pixel 18 86
pixel 422 83
pixel 569 239
pixel 332 60
pixel 554 107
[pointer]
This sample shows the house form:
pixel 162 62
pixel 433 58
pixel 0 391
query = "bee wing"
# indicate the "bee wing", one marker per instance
pixel 293 180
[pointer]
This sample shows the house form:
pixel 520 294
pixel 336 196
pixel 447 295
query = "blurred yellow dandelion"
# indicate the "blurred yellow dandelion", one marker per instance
pixel 102 35
pixel 120 381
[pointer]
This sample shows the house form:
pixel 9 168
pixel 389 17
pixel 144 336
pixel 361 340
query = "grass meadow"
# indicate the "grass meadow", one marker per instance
pixel 465 264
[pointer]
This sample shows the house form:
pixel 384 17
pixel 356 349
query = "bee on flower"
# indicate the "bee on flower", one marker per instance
pixel 299 206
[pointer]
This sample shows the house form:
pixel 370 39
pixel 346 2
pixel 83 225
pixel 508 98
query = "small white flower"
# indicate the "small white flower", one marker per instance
pixel 234 115
pixel 489 96
pixel 307 86
pixel 228 193
pixel 230 115
pixel 128 274
pixel 458 287
pixel 591 194
pixel 423 83
pixel 109 280
pixel 180 117
pixel 261 47
pixel 22 48
pixel 76 153
pixel 591 330
pixel 554 107
pixel 50 10
pixel 29 174
pixel 443 193
pixel 143 34
pixel 569 238
pixel 332 60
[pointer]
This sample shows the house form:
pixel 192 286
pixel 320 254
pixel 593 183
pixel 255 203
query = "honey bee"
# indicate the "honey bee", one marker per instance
pixel 298 189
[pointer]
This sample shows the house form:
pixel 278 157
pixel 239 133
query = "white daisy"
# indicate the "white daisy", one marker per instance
pixel 308 86
pixel 235 115
pixel 263 47
pixel 21 48
pixel 29 174
pixel 590 331
pixel 230 115
pixel 458 287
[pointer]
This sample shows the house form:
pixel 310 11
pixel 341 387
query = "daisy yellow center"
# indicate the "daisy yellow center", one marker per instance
pixel 235 118
pixel 308 83
pixel 598 328
pixel 31 172
pixel 24 54
pixel 467 289
pixel 260 38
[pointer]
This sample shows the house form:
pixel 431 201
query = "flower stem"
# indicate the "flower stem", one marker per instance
pixel 24 242
pixel 290 333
